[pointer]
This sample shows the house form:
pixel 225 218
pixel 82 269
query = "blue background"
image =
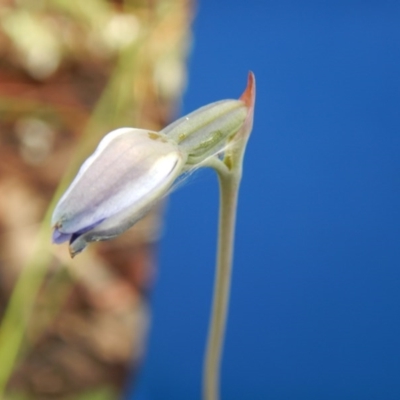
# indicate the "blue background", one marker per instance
pixel 315 305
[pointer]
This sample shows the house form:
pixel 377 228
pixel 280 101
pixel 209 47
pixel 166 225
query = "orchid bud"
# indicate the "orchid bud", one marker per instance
pixel 204 132
pixel 130 171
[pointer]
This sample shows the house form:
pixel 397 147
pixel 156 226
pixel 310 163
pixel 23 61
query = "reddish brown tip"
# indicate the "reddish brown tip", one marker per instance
pixel 249 95
pixel 249 98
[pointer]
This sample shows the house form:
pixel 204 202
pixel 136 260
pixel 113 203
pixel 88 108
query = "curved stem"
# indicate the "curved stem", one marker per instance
pixel 229 180
pixel 229 189
pixel 218 165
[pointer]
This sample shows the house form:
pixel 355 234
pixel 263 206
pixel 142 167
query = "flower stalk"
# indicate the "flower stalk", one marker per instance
pixel 229 173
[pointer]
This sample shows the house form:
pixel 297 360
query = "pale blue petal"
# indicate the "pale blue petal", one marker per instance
pixel 122 221
pixel 60 237
pixel 121 173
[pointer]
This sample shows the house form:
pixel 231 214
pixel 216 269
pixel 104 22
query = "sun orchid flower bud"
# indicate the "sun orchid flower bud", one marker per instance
pixel 130 171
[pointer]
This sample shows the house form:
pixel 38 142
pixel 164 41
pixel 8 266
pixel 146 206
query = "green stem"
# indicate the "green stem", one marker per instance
pixel 20 306
pixel 229 190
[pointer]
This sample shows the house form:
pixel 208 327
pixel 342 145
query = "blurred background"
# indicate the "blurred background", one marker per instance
pixel 315 310
pixel 315 303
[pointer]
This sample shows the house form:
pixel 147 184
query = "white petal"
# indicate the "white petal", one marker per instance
pixel 127 165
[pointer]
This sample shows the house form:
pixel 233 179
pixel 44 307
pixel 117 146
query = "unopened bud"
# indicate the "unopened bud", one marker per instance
pixel 128 173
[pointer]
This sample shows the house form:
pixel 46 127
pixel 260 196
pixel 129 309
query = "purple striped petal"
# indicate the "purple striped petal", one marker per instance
pixel 127 165
pixel 128 173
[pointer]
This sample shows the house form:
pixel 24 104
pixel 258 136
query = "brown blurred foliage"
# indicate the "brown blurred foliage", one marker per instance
pixel 57 58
